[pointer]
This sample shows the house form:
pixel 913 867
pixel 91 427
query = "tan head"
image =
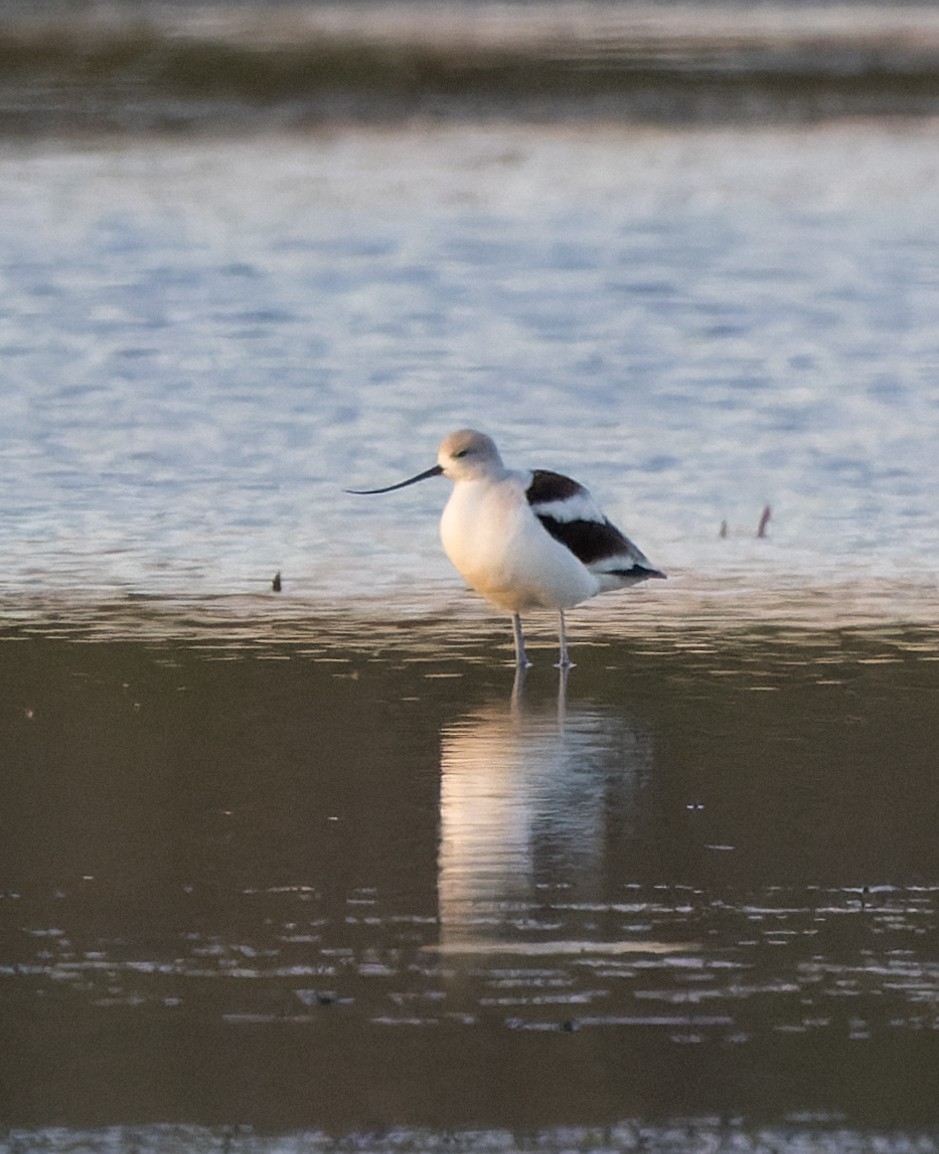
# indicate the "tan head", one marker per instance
pixel 466 454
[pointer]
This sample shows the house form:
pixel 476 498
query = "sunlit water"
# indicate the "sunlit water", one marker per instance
pixel 202 345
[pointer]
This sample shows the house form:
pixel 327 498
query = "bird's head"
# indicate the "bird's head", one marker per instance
pixel 462 455
pixel 466 454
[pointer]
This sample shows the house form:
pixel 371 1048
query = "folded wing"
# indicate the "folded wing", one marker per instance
pixel 571 515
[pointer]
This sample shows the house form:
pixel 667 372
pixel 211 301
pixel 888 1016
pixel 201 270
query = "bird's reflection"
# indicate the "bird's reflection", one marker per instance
pixel 536 795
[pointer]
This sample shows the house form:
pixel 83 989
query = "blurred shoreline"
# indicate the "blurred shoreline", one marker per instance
pixel 157 68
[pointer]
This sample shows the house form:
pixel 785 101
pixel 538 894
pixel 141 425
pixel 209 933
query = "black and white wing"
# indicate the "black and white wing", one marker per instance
pixel 572 516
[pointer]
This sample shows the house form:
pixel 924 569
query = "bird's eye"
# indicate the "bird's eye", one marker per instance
pixel 461 453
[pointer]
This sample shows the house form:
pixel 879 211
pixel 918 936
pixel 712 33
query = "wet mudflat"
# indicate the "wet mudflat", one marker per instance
pixel 308 881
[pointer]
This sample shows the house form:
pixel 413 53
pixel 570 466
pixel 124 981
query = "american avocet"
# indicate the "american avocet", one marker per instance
pixel 526 539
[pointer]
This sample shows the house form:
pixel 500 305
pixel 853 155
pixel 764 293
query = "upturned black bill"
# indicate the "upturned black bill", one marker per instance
pixel 434 472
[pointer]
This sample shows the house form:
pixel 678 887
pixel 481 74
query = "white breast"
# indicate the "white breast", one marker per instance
pixel 501 549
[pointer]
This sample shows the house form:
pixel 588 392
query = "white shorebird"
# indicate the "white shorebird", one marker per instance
pixel 526 539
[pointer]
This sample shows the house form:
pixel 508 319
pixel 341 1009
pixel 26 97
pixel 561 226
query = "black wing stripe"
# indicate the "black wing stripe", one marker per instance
pixel 638 572
pixel 547 487
pixel 592 539
pixel 589 541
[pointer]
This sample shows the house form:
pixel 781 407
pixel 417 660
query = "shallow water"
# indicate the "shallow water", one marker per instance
pixel 353 884
pixel 303 871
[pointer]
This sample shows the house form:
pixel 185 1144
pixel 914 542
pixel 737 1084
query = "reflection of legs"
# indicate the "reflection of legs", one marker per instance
pixel 521 657
pixel 563 671
pixel 518 686
pixel 564 661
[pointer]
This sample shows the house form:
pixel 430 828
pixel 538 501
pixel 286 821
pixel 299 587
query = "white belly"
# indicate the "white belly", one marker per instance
pixel 501 549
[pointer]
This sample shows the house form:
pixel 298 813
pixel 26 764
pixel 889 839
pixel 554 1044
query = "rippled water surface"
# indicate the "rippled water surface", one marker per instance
pixel 202 344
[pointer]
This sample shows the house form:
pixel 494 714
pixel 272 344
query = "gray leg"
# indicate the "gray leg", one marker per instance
pixel 521 657
pixel 564 661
